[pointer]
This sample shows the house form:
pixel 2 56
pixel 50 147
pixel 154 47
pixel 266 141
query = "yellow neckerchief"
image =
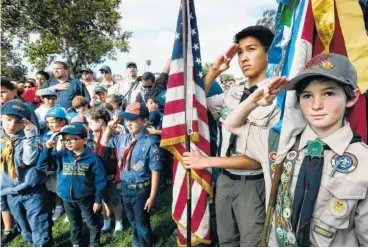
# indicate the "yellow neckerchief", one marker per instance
pixel 7 156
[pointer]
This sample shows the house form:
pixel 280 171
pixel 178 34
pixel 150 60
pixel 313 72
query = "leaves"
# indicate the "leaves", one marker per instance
pixel 11 63
pixel 268 19
pixel 83 32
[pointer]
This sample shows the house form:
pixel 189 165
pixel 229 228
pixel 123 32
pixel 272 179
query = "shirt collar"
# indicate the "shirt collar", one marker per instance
pixel 141 135
pixel 338 141
pixel 18 135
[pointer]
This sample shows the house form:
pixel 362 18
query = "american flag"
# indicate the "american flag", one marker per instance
pixel 174 130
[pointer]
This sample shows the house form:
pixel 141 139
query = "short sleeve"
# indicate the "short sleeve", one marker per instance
pixel 115 141
pixel 155 158
pixel 215 104
pixel 256 140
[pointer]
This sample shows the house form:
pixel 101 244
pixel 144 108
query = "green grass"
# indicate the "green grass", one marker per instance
pixel 162 227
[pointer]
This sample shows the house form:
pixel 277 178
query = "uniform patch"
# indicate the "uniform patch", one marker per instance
pixel 155 150
pixel 143 149
pixel 158 158
pixel 345 163
pixel 291 155
pixel 338 208
pixel 224 113
pixel 323 231
pixel 138 166
pixel 272 156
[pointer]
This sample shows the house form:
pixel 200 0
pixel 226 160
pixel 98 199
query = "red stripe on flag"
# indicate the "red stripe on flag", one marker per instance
pixel 174 107
pixel 176 80
pixel 181 200
pixel 199 211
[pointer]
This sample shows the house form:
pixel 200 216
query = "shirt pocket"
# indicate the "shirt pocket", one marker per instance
pixel 261 117
pixel 337 201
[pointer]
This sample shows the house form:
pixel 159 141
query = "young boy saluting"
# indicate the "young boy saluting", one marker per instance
pixel 140 174
pixel 81 179
pixel 19 154
pixel 321 199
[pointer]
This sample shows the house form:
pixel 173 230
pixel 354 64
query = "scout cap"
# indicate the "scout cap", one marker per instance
pixel 332 66
pixel 105 68
pixel 99 89
pixel 74 129
pixel 57 112
pixel 18 109
pixel 130 63
pixel 79 101
pixel 48 92
pixel 135 110
pixel 86 70
pixel 79 119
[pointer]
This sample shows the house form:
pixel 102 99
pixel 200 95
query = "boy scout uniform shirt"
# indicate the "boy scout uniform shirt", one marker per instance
pixel 145 156
pixel 220 107
pixel 340 216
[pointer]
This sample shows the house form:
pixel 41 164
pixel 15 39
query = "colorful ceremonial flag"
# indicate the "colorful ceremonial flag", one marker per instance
pixel 174 127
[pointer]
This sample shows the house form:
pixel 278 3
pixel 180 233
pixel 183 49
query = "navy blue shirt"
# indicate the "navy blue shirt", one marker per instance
pixel 212 123
pixel 65 97
pixel 145 156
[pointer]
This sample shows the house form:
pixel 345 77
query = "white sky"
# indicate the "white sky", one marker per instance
pixel 153 24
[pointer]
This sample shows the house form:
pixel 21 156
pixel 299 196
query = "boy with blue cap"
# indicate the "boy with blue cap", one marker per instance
pixel 49 99
pixel 55 118
pixel 20 152
pixel 81 179
pixel 141 165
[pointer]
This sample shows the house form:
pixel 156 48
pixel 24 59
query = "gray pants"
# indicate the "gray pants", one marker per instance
pixel 240 211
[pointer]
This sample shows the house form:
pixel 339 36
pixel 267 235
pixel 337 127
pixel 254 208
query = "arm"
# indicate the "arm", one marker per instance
pixel 361 218
pixel 99 173
pixel 108 131
pixel 155 166
pixel 84 91
pixel 30 145
pixel 195 160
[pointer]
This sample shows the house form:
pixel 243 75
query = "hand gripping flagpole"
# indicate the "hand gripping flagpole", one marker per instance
pixel 188 129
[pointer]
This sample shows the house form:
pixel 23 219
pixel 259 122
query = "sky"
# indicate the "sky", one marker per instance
pixel 153 24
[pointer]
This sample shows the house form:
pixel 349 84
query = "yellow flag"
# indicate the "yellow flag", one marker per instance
pixel 324 19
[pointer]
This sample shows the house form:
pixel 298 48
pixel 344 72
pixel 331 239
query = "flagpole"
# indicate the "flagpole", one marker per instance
pixel 187 137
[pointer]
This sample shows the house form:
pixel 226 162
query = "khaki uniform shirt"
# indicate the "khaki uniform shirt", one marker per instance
pixel 126 84
pixel 334 223
pixel 220 107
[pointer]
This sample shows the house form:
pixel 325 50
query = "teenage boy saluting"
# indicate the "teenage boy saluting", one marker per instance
pixel 141 165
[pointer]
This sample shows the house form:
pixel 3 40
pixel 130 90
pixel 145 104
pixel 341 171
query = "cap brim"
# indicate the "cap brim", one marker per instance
pixel 301 78
pixel 15 114
pixel 77 134
pixel 130 116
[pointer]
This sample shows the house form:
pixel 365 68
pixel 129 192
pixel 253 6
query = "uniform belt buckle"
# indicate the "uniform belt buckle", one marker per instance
pixel 131 186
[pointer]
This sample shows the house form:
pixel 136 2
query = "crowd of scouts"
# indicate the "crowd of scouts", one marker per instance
pixel 102 153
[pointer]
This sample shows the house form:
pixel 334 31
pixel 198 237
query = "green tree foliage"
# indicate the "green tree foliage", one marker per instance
pixel 268 19
pixel 82 31
pixel 11 62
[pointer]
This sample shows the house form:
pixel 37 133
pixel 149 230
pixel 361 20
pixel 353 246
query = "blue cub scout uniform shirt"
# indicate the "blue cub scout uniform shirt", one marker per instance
pixel 145 156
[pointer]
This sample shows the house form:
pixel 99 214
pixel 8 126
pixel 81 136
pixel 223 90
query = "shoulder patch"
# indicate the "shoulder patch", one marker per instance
pixel 155 150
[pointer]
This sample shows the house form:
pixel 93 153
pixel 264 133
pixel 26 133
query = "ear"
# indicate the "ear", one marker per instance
pixel 85 141
pixel 355 99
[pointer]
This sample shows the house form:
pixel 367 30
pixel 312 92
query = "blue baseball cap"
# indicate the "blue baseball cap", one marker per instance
pixel 48 92
pixel 57 112
pixel 135 110
pixel 74 129
pixel 99 89
pixel 18 109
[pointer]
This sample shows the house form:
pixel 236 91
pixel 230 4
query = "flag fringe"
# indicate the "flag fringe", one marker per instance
pixel 207 187
pixel 195 240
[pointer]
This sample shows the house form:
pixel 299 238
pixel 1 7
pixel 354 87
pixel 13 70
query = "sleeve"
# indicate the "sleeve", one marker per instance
pixel 215 104
pixel 256 140
pixel 31 150
pixel 45 157
pixel 84 91
pixel 361 220
pixel 99 173
pixel 115 141
pixel 160 84
pixel 155 159
pixel 40 120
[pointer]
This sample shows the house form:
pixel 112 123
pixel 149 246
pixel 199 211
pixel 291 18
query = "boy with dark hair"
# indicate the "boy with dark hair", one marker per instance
pixel 321 199
pixel 141 165
pixel 8 91
pixel 148 80
pixel 239 199
pixel 19 156
pixel 81 179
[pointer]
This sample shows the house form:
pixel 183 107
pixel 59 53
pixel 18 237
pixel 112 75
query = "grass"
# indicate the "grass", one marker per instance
pixel 161 222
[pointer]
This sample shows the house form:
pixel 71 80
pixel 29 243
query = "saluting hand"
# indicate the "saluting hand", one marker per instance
pixel 27 125
pixel 51 143
pixel 266 95
pixel 222 63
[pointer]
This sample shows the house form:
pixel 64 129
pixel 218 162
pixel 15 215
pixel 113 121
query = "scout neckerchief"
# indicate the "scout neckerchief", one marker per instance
pixel 127 154
pixel 232 141
pixel 285 234
pixel 307 188
pixel 7 156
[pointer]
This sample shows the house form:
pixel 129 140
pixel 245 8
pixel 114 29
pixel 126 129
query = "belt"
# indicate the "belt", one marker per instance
pixel 138 185
pixel 239 177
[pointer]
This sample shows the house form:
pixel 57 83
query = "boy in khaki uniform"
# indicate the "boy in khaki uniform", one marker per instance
pixel 321 199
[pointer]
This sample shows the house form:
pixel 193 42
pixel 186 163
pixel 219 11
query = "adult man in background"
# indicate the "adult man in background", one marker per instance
pixel 107 81
pixel 87 79
pixel 132 85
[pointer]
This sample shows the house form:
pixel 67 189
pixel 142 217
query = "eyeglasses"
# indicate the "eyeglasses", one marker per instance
pixel 147 87
pixel 85 72
pixel 104 72
pixel 70 141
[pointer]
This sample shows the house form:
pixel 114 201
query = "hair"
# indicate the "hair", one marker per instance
pixel 58 119
pixel 5 83
pixel 348 90
pixel 99 113
pixel 153 98
pixel 61 63
pixel 148 76
pixel 262 33
pixel 44 74
pixel 30 82
pixel 80 100
pixel 117 99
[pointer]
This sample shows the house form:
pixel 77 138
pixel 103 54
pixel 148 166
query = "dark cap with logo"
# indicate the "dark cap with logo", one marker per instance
pixel 135 110
pixel 329 65
pixel 74 129
pixel 131 63
pixel 99 89
pixel 18 109
pixel 86 70
pixel 105 68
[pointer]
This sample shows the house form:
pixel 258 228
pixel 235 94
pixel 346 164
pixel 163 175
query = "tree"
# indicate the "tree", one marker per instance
pixel 11 62
pixel 268 19
pixel 82 32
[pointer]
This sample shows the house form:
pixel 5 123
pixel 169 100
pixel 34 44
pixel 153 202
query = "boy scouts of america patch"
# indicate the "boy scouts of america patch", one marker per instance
pixel 345 163
pixel 272 156
pixel 320 62
pixel 338 208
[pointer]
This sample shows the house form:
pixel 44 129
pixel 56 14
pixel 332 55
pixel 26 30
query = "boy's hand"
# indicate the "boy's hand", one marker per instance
pixel 265 96
pixel 149 204
pixel 195 160
pixel 51 143
pixel 222 63
pixel 97 207
pixel 151 130
pixel 27 125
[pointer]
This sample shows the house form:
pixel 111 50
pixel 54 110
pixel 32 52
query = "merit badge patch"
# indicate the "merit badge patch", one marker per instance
pixel 225 112
pixel 272 156
pixel 323 231
pixel 338 208
pixel 345 163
